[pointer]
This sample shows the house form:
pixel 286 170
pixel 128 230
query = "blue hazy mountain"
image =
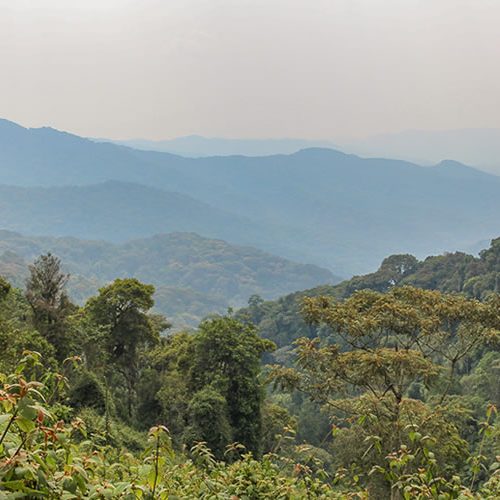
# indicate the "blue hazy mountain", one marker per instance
pixel 113 210
pixel 480 147
pixel 317 205
pixel 195 146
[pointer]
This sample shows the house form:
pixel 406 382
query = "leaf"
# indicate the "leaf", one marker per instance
pixel 25 425
pixel 5 418
pixel 68 496
pixel 27 411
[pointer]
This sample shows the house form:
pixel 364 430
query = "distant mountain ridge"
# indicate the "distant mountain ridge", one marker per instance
pixel 195 146
pixel 475 146
pixel 194 276
pixel 317 205
pixel 478 147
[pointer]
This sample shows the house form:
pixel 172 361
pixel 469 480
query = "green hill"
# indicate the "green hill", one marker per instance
pixel 194 276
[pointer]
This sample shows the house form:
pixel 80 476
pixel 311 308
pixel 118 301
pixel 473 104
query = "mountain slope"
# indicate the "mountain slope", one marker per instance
pixel 112 210
pixel 317 205
pixel 48 157
pixel 194 276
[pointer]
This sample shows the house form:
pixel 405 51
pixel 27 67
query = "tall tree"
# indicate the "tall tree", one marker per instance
pixel 227 356
pixel 46 294
pixel 122 309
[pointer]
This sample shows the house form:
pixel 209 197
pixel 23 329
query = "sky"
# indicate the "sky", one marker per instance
pixel 315 69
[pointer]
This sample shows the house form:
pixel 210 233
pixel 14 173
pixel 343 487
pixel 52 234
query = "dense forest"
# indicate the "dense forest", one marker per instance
pixel 476 277
pixel 384 386
pixel 193 275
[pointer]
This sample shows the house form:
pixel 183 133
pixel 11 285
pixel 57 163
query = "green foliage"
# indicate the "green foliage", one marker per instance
pixel 482 381
pixel 388 343
pixel 389 401
pixel 17 332
pixel 51 307
pixel 108 431
pixel 227 357
pixel 4 288
pixel 193 276
pixel 41 456
pixel 121 309
pixel 208 421
pixel 88 391
pixel 205 385
pixel 164 395
pixel 282 322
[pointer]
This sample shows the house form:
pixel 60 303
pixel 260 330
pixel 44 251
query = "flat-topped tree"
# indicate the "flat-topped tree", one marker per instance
pixel 384 343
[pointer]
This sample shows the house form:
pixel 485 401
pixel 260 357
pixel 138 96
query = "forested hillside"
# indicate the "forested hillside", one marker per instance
pixel 382 386
pixel 193 276
pixel 475 277
pixel 398 400
pixel 317 205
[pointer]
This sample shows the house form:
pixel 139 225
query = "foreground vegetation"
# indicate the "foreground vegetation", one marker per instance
pixel 41 456
pixel 395 397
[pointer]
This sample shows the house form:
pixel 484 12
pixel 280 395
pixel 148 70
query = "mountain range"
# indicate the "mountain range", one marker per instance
pixel 317 205
pixel 196 146
pixel 475 146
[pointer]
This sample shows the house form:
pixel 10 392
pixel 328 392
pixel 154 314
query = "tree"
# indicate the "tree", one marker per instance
pixel 46 294
pixel 385 343
pixel 227 357
pixel 4 288
pixel 122 309
pixel 208 417
pixel 164 394
pixel 16 332
pixel 256 308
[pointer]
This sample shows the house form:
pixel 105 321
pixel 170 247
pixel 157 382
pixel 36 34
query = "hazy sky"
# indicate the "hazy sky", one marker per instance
pixel 250 68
